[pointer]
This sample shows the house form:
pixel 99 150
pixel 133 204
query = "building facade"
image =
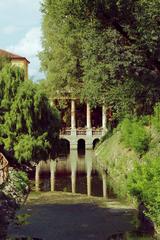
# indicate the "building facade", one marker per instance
pixel 16 60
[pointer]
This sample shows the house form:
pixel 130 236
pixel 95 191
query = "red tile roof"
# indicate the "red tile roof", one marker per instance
pixel 10 55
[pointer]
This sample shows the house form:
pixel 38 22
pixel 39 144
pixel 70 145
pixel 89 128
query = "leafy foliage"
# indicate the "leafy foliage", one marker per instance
pixel 20 179
pixel 17 186
pixel 156 117
pixel 144 184
pixel 134 135
pixel 29 125
pixel 131 156
pixel 119 162
pixel 10 78
pixel 103 52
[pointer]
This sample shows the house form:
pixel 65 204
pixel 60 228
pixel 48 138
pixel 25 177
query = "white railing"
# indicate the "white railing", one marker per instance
pixel 97 131
pixel 81 131
pixel 65 131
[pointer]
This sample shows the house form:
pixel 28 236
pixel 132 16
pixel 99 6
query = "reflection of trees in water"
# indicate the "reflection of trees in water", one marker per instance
pixel 8 207
pixel 119 236
pixel 63 147
pixel 7 212
pixel 25 238
pixel 81 147
pixel 131 236
pixel 3 224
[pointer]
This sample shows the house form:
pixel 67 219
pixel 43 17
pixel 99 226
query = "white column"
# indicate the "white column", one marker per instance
pixel 37 177
pixel 89 183
pixel 73 180
pixel 104 179
pixel 88 165
pixel 73 162
pixel 52 176
pixel 73 114
pixel 88 116
pixel 104 117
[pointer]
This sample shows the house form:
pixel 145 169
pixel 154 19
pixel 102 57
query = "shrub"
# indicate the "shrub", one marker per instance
pixel 134 135
pixel 156 117
pixel 17 186
pixel 144 184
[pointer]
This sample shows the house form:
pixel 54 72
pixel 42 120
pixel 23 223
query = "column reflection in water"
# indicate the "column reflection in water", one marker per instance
pixel 88 165
pixel 37 173
pixel 52 174
pixel 104 180
pixel 73 162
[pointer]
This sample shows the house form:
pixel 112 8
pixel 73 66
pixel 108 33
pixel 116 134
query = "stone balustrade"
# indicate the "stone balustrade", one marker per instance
pixel 90 133
pixel 81 131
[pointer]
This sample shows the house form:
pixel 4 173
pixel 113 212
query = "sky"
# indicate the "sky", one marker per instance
pixel 20 27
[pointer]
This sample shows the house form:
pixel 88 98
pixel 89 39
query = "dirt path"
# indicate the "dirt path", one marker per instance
pixel 66 216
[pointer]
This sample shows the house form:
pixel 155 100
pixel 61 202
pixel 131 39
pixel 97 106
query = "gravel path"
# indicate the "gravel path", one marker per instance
pixel 66 216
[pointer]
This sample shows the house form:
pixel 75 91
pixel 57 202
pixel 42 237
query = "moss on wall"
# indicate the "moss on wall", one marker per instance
pixel 119 162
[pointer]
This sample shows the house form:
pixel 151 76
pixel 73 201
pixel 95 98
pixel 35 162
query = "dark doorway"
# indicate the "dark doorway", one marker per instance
pixel 63 147
pixel 81 147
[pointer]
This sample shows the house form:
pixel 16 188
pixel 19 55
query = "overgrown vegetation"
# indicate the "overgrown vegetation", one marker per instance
pixel 143 183
pixel 17 186
pixel 131 156
pixel 156 117
pixel 134 135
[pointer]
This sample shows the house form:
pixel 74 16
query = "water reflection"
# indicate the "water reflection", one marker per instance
pixel 76 173
pixel 88 167
pixel 73 166
pixel 131 236
pixel 79 173
pixel 52 176
pixel 104 179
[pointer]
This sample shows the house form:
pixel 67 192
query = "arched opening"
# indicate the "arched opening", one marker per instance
pixel 81 147
pixel 63 147
pixel 95 142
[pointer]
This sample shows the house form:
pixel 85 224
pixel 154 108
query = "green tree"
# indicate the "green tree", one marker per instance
pixel 30 126
pixel 103 51
pixel 62 49
pixel 10 78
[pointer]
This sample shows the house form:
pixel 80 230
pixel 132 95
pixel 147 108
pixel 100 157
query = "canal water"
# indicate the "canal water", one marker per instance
pixel 78 172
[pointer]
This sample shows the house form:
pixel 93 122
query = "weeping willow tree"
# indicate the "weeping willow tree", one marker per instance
pixel 29 126
pixel 10 78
